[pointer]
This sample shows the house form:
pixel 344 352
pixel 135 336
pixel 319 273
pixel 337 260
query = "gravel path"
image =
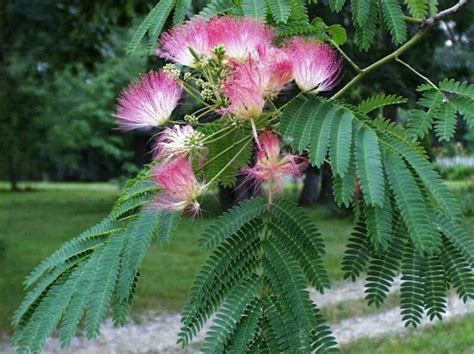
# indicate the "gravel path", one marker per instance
pixel 158 334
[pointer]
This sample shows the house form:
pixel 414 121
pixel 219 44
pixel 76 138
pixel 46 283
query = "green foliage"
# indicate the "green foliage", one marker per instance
pixel 369 167
pixel 425 278
pixel 418 8
pixel 366 14
pixel 182 7
pixel 152 25
pixel 231 221
pixel 443 104
pixel 365 33
pixel 88 273
pixel 256 277
pixel 360 11
pixel 392 16
pixel 309 125
pixel 280 10
pixel 400 190
pixel 264 256
pixel 227 155
pixel 216 7
pixel 379 101
pixel 254 8
pixel 336 5
pixel 356 255
pixel 410 201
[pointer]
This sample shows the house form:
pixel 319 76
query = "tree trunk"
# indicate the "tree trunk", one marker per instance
pixel 326 196
pixel 12 174
pixel 242 190
pixel 311 187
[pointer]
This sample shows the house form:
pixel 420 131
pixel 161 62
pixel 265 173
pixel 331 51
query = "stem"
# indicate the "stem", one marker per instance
pixel 425 26
pixel 255 133
pixel 348 59
pixel 223 152
pixel 286 104
pixel 231 161
pixel 445 13
pixel 220 137
pixel 417 73
pixel 194 94
pixel 415 39
pixel 415 21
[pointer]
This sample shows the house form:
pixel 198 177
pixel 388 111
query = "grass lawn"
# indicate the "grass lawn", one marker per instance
pixel 35 223
pixel 454 337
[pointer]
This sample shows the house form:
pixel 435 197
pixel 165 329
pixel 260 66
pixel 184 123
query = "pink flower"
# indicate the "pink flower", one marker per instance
pixel 275 68
pixel 316 65
pixel 271 167
pixel 256 79
pixel 176 44
pixel 180 188
pixel 244 90
pixel 149 102
pixel 179 140
pixel 240 36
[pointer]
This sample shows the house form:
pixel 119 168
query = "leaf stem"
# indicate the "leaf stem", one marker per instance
pixel 223 152
pixel 364 72
pixel 398 60
pixel 348 59
pixel 231 161
pixel 424 28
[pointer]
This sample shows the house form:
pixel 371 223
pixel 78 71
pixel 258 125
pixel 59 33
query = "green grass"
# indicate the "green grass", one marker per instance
pixel 35 223
pixel 454 337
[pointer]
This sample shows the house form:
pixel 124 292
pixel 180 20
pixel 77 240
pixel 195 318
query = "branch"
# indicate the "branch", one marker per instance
pixel 424 28
pixel 445 13
pixel 348 59
pixel 381 62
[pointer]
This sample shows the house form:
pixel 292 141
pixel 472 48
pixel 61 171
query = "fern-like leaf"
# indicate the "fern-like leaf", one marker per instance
pixel 392 15
pixel 216 7
pixel 412 288
pixel 360 11
pixel 236 303
pixel 365 33
pixel 379 101
pixel 356 255
pixel 445 122
pixel 231 221
pixel 280 10
pixel 458 270
pixel 139 236
pixel 379 225
pixel 86 241
pixel 158 22
pixel 180 11
pixel 435 289
pixel 409 200
pixel 383 267
pixel 254 8
pixel 340 144
pixel 102 286
pixel 336 5
pixel 418 8
pixel 369 167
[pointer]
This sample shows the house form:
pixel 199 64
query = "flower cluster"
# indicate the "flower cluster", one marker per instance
pixel 271 166
pixel 232 66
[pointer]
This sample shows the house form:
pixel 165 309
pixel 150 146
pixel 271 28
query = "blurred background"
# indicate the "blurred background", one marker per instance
pixel 62 161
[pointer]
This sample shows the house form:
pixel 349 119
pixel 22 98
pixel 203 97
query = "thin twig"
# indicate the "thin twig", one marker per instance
pixel 348 59
pixel 416 72
pixel 424 28
pixel 443 14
